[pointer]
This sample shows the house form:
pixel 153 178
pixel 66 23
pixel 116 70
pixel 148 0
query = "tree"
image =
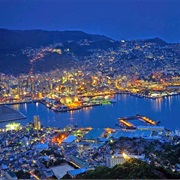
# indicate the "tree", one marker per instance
pixel 131 169
pixel 22 174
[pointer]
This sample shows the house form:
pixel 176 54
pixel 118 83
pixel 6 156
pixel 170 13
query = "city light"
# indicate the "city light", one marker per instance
pixel 13 126
pixel 125 156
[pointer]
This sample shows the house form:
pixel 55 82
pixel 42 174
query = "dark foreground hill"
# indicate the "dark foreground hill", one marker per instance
pixel 132 169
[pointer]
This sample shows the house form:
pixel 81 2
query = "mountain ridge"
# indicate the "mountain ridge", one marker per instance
pixel 17 39
pixel 75 43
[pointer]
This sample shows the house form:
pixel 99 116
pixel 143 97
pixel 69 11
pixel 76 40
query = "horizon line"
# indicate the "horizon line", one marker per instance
pixel 93 33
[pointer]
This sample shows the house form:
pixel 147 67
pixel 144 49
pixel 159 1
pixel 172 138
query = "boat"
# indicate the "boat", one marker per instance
pixel 105 101
pixel 55 106
pixel 85 104
pixel 75 108
pixel 63 108
pixel 96 103
pixel 49 105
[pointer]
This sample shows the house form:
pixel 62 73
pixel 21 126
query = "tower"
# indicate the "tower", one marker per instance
pixel 37 123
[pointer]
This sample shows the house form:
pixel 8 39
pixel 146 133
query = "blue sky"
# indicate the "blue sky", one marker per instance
pixel 118 19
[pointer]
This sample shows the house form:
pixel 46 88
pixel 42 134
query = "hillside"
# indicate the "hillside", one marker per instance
pixel 132 169
pixel 157 41
pixel 11 40
pixel 14 42
pixel 24 51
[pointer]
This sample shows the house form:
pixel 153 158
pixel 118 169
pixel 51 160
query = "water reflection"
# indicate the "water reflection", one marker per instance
pixel 87 110
pixel 156 104
pixel 120 97
pixel 37 104
pixel 123 97
pixel 106 116
pixel 25 107
pixel 71 115
pixel 169 102
pixel 16 107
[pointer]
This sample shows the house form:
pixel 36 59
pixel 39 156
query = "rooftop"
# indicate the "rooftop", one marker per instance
pixel 94 134
pixel 69 139
pixel 11 174
pixel 9 114
pixel 132 134
pixel 79 161
pixel 76 171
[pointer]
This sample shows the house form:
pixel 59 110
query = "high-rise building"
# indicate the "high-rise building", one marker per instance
pixel 39 95
pixel 25 141
pixel 37 123
pixel 111 161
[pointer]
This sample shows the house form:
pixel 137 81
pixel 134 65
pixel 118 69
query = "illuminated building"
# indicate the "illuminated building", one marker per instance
pixel 59 138
pixel 37 123
pixel 51 86
pixel 13 126
pixel 111 161
pixel 24 141
pixel 39 95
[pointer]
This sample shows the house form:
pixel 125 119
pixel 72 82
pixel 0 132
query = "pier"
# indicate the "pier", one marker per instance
pixel 145 119
pixel 127 124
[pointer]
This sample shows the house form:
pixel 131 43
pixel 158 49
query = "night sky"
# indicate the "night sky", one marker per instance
pixel 118 19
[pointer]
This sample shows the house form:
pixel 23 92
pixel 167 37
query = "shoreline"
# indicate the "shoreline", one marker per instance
pixel 150 97
pixel 20 102
pixel 118 92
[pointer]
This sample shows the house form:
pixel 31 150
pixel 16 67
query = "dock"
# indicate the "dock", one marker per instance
pixel 124 121
pixel 146 119
pixel 127 124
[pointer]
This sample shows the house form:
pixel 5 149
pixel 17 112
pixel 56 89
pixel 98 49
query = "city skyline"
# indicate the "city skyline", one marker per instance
pixel 89 89
pixel 116 19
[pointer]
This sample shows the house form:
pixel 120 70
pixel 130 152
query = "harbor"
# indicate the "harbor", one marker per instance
pixel 124 122
pixel 164 110
pixel 72 103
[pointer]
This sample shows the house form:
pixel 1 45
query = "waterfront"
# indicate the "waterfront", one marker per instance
pixel 165 110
